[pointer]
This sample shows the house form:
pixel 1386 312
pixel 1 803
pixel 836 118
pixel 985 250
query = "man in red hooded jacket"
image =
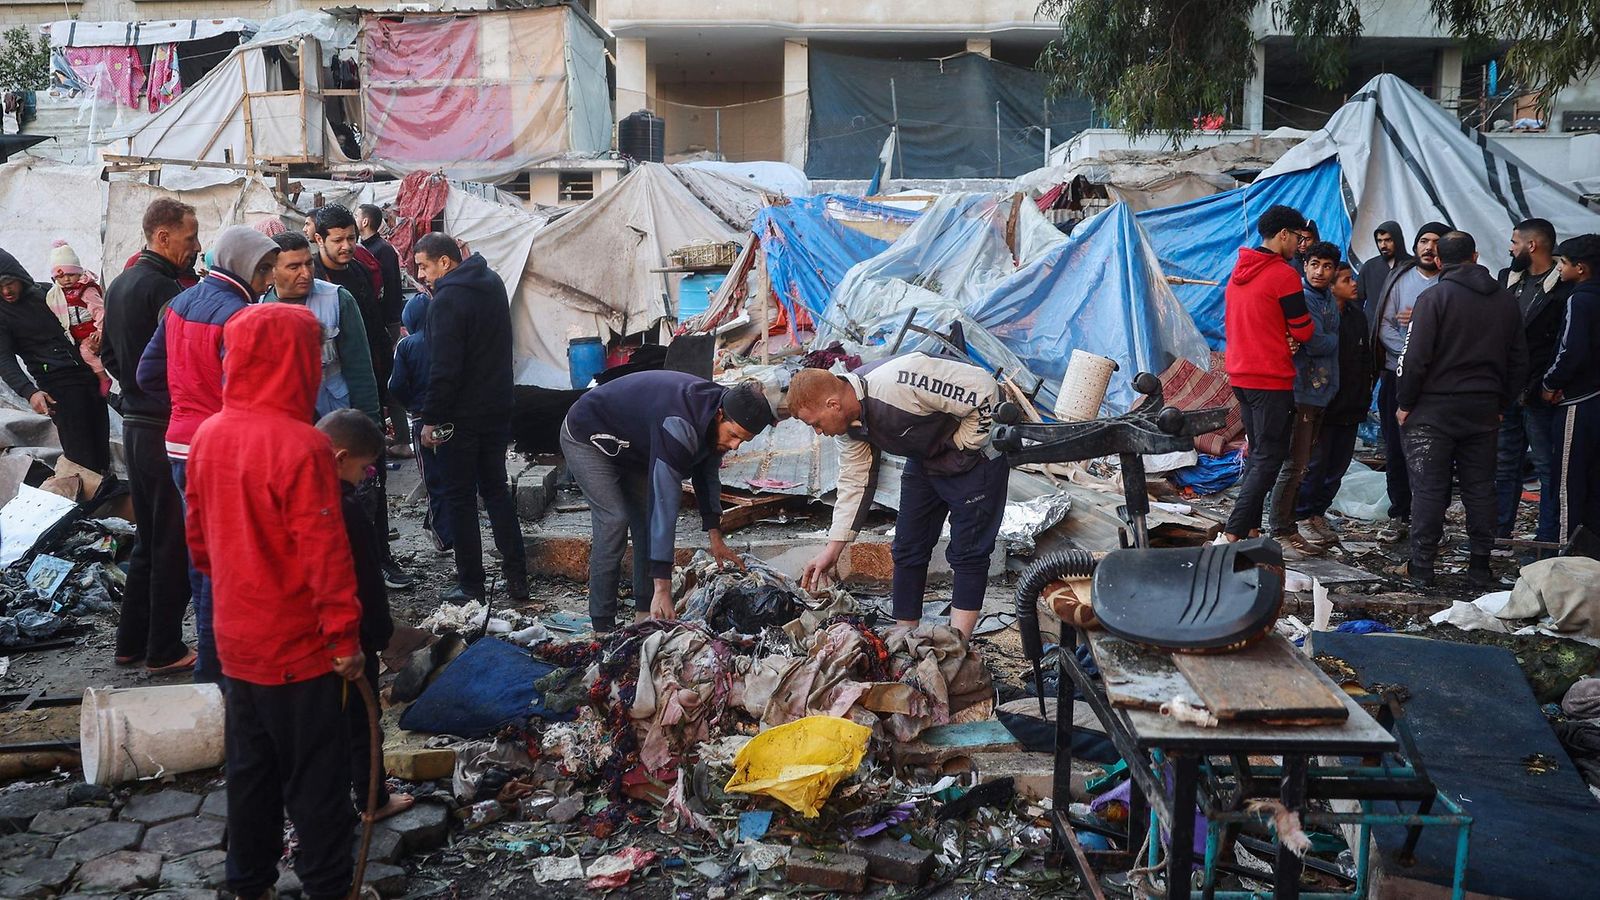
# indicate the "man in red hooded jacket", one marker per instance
pixel 1264 309
pixel 264 497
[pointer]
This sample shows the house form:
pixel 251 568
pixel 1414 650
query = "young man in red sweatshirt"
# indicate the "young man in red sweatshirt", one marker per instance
pixel 264 523
pixel 1265 318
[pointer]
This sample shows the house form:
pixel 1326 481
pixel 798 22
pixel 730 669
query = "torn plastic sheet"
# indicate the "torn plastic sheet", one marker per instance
pixel 809 248
pixel 1025 521
pixel 556 868
pixel 615 870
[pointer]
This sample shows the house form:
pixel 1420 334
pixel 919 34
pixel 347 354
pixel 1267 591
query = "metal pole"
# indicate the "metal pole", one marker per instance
pixel 997 138
pixel 894 111
pixel 719 133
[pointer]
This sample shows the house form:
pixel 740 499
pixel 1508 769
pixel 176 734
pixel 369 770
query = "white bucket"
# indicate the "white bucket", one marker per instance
pixel 133 733
pixel 1084 387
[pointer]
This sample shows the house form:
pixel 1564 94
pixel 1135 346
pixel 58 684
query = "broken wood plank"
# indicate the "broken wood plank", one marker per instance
pixel 1138 677
pixel 1331 571
pixel 946 742
pixel 1268 680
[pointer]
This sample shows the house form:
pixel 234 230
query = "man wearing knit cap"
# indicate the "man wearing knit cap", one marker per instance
pixel 630 443
pixel 1390 309
pixel 63 386
pixel 1573 384
pixel 184 361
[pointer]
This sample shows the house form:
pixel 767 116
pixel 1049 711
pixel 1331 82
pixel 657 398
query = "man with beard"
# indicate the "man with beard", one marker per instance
pixel 347 379
pixel 1391 321
pixel 1376 270
pixel 1528 429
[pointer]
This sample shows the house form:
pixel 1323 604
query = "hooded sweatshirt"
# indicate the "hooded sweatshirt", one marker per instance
pixel 184 358
pixel 1369 281
pixel 263 497
pixel 469 348
pixel 1263 306
pixel 1576 369
pixel 1465 344
pixel 408 383
pixel 660 423
pixel 29 330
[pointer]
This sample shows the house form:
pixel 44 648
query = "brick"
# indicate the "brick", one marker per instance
pixel 162 806
pixel 830 871
pixel 553 556
pixel 70 820
pixel 124 870
pixel 35 879
pixel 893 860
pixel 185 836
pixel 423 827
pixel 1032 773
pixel 534 489
pixel 216 804
pixel 385 847
pixel 19 807
pixel 419 763
pixel 100 840
pixel 15 847
pixel 206 869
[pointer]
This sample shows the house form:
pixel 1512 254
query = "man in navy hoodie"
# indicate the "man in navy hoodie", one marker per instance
pixel 1573 384
pixel 408 386
pixel 630 443
pixel 466 415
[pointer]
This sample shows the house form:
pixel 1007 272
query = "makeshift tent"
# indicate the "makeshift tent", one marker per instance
pixel 483 96
pixel 263 104
pixel 229 198
pixel 955 253
pixel 771 177
pixel 42 201
pixel 1200 240
pixel 1405 158
pixel 809 244
pixel 735 201
pixel 589 272
pixel 1100 291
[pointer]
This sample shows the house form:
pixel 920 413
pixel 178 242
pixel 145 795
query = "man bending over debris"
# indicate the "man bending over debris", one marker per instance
pixel 936 412
pixel 264 523
pixel 630 443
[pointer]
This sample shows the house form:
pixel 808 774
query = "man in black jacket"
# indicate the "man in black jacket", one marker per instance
pixel 369 219
pixel 63 386
pixel 1458 371
pixel 1375 271
pixel 466 417
pixel 1529 428
pixel 1336 440
pixel 151 625
pixel 1573 384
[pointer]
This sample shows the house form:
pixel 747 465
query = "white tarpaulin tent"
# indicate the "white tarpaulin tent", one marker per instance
pixel 1405 158
pixel 42 201
pixel 589 272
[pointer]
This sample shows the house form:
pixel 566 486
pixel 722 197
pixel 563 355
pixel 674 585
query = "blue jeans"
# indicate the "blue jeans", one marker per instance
pixel 1528 431
pixel 207 668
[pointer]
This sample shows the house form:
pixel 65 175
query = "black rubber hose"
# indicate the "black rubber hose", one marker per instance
pixel 1045 569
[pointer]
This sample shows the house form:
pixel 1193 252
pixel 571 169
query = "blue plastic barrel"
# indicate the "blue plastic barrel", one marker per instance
pixel 586 358
pixel 695 293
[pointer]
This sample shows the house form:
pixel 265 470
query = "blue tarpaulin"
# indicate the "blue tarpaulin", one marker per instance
pixel 1098 292
pixel 1201 239
pixel 808 249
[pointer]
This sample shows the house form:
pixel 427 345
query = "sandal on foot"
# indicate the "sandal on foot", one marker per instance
pixel 183 664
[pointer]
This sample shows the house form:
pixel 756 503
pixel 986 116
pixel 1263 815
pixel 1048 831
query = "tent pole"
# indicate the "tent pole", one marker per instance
pixel 997 139
pixel 894 112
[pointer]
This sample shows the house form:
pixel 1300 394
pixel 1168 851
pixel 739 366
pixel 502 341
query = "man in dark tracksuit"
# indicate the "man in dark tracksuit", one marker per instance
pixel 158 592
pixel 1464 359
pixel 937 413
pixel 466 416
pixel 1391 317
pixel 1529 427
pixel 1375 271
pixel 630 443
pixel 1573 383
pixel 63 386
pixel 1336 441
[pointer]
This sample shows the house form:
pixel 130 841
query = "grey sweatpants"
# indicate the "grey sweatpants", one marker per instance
pixel 619 502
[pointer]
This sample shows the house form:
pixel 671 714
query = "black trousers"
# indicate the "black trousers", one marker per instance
pixel 157 593
pixel 361 738
pixel 288 747
pixel 82 421
pixel 1577 460
pixel 474 465
pixel 1395 470
pixel 1269 427
pixel 1437 450
pixel 975 503
pixel 1330 459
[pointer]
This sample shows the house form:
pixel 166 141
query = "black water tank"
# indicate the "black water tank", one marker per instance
pixel 642 136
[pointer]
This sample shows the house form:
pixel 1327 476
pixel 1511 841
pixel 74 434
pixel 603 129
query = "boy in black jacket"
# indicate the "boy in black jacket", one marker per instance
pixel 357 444
pixel 1336 440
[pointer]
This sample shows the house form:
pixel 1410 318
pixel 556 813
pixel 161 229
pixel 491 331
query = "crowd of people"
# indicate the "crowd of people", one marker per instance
pixel 1480 379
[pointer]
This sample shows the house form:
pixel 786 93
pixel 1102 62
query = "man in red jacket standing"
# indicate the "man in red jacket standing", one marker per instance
pixel 1264 311
pixel 264 497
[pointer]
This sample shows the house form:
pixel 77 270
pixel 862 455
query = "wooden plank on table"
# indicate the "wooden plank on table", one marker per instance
pixel 1331 571
pixel 1138 677
pixel 1268 680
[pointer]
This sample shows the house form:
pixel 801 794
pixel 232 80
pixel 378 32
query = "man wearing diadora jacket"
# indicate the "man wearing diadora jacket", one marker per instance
pixel 936 412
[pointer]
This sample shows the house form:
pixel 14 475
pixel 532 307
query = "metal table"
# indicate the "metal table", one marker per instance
pixel 1211 773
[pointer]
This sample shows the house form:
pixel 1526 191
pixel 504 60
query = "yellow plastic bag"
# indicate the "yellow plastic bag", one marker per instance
pixel 800 763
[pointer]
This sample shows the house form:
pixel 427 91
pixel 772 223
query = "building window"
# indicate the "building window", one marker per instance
pixel 575 187
pixel 521 185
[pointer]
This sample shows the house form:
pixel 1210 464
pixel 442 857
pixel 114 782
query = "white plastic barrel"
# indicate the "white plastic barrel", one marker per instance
pixel 132 733
pixel 1084 387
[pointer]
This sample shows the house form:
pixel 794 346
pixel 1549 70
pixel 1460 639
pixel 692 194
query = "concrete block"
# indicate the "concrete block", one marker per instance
pixel 215 804
pixel 124 870
pixel 534 489
pixel 893 860
pixel 385 847
pixel 18 808
pixel 423 827
pixel 36 878
pixel 838 872
pixel 419 763
pixel 100 840
pixel 185 836
pixel 206 869
pixel 15 847
pixel 1033 773
pixel 162 806
pixel 71 820
pixel 83 794
pixel 387 880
